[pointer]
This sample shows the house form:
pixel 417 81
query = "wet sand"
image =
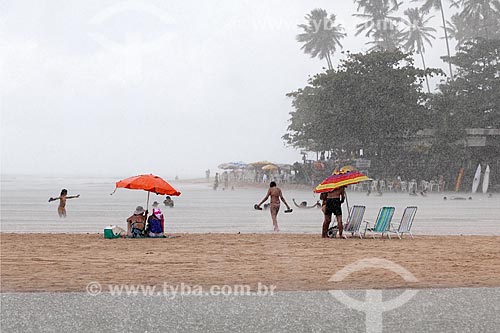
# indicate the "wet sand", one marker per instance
pixel 68 262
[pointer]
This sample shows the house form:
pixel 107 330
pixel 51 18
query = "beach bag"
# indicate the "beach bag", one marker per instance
pixel 332 231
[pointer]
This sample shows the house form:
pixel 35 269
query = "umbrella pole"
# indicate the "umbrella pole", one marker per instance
pixel 147 203
pixel 347 203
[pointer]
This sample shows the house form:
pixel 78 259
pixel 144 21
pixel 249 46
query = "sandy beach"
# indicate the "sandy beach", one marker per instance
pixel 302 262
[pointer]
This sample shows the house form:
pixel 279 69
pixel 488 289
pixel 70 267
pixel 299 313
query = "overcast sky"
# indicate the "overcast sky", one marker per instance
pixel 166 87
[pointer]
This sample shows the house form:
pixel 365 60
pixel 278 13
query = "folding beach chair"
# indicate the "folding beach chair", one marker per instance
pixel 406 222
pixel 383 222
pixel 353 222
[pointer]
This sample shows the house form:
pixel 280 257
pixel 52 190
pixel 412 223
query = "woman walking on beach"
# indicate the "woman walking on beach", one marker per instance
pixel 61 210
pixel 275 193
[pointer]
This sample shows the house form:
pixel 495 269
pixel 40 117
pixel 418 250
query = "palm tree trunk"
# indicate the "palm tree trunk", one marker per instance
pixel 485 20
pixel 329 61
pixel 425 68
pixel 446 38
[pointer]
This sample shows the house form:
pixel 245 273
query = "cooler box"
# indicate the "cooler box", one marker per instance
pixel 112 231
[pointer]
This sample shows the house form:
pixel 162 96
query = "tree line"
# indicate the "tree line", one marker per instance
pixel 322 37
pixel 375 102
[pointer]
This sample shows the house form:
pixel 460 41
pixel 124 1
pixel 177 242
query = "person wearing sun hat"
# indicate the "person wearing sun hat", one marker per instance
pixel 155 223
pixel 136 222
pixel 158 215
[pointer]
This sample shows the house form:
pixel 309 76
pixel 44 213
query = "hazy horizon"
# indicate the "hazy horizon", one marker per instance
pixel 129 87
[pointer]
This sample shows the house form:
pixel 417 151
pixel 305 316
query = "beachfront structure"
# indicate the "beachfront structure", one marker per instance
pixel 420 157
pixel 480 146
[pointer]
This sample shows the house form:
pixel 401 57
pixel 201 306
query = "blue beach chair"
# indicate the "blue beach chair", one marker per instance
pixel 382 224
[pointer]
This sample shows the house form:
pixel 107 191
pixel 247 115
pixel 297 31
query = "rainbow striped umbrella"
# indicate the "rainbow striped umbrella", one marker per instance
pixel 340 179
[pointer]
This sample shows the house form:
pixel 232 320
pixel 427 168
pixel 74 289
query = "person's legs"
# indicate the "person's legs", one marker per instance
pixel 274 215
pixel 328 211
pixel 337 210
pixel 326 225
pixel 339 224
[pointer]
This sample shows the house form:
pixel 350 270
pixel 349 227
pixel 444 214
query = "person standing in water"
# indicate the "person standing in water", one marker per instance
pixel 216 181
pixel 332 203
pixel 275 193
pixel 61 210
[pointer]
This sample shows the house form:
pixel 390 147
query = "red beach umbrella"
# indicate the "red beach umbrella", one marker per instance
pixel 149 183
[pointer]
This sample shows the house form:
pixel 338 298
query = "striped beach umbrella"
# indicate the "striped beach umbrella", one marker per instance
pixel 232 165
pixel 270 167
pixel 340 179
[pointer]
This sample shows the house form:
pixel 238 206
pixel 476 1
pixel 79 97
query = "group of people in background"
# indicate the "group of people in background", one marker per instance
pixel 224 178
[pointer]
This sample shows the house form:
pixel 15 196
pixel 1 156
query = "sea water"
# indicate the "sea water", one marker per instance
pixel 200 209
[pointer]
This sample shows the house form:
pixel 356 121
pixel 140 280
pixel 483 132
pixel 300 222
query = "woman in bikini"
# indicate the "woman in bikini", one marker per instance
pixel 61 210
pixel 275 194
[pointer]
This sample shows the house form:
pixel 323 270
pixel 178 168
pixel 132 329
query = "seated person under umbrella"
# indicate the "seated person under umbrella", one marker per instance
pixel 155 222
pixel 136 222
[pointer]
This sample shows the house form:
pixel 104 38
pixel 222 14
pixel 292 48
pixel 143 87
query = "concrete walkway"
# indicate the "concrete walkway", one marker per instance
pixel 430 310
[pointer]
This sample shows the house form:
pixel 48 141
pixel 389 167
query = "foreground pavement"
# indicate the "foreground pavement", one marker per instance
pixel 424 310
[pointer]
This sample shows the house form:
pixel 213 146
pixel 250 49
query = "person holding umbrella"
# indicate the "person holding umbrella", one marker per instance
pixel 332 204
pixel 332 190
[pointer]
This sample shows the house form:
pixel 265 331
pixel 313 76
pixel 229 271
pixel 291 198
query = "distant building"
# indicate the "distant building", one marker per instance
pixel 481 146
pixel 476 137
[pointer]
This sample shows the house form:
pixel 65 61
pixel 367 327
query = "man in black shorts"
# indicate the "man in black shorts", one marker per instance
pixel 332 204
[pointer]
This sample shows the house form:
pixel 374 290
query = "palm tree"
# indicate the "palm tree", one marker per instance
pixel 365 3
pixel 321 36
pixel 480 15
pixel 464 27
pixel 455 30
pixel 418 34
pixel 386 40
pixel 438 5
pixel 378 23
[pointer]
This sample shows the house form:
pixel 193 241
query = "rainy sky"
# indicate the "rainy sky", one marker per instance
pixel 168 87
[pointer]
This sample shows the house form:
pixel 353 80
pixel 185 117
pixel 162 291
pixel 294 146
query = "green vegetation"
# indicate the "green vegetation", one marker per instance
pixel 375 102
